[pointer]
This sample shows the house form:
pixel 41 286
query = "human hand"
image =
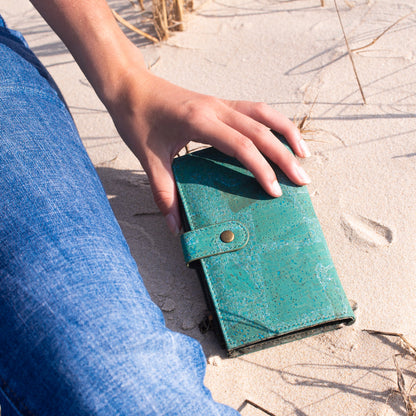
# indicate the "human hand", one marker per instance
pixel 157 119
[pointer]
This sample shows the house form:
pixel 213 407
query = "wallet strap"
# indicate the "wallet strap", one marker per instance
pixel 213 240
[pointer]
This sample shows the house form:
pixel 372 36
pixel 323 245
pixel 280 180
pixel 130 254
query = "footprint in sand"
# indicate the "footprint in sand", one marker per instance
pixel 363 231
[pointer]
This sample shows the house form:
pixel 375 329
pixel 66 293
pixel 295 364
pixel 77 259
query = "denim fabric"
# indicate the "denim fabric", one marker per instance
pixel 79 334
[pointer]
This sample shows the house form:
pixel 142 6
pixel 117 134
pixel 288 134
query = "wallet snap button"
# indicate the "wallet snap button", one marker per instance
pixel 227 236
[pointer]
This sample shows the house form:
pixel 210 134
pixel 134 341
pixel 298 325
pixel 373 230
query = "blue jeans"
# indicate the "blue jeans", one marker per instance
pixel 79 334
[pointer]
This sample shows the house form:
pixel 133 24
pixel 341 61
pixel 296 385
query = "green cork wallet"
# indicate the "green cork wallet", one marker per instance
pixel 263 262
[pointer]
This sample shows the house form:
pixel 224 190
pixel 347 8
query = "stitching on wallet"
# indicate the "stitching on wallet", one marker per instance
pixel 239 243
pixel 208 274
pixel 213 292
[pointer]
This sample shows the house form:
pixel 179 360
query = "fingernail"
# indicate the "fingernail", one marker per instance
pixel 305 150
pixel 303 176
pixel 172 224
pixel 277 191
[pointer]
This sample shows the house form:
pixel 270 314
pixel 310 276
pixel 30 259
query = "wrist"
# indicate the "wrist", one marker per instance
pixel 99 46
pixel 112 80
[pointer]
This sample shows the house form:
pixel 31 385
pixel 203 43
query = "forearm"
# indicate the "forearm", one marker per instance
pixel 93 37
pixel 156 118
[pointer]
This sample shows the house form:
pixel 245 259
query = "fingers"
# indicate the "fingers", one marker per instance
pixel 231 142
pixel 239 129
pixel 274 120
pixel 164 193
pixel 262 138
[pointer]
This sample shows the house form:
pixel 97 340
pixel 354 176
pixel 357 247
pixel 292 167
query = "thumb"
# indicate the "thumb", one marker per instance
pixel 164 192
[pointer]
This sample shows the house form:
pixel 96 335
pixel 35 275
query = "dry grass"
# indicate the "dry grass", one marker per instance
pixel 256 406
pixel 383 32
pixel 350 53
pixel 405 393
pixel 410 351
pixel 133 28
pixel 167 17
pixel 304 124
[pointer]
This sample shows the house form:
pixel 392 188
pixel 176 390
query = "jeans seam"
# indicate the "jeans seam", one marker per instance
pixel 9 392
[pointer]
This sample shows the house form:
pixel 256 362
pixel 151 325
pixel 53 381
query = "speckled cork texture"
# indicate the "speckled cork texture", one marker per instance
pixel 281 284
pixel 291 55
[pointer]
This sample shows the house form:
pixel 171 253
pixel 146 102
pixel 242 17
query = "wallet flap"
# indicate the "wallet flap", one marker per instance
pixel 213 240
pixel 283 284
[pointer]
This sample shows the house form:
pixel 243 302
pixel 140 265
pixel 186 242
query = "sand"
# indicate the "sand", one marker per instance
pixel 288 54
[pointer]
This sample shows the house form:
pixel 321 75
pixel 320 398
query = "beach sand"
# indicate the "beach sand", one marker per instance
pixel 292 55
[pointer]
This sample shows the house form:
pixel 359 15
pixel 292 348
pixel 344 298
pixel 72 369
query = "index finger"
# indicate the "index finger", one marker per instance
pixel 274 120
pixel 267 143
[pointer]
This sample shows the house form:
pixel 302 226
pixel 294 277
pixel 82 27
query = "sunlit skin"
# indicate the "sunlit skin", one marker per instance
pixel 157 118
